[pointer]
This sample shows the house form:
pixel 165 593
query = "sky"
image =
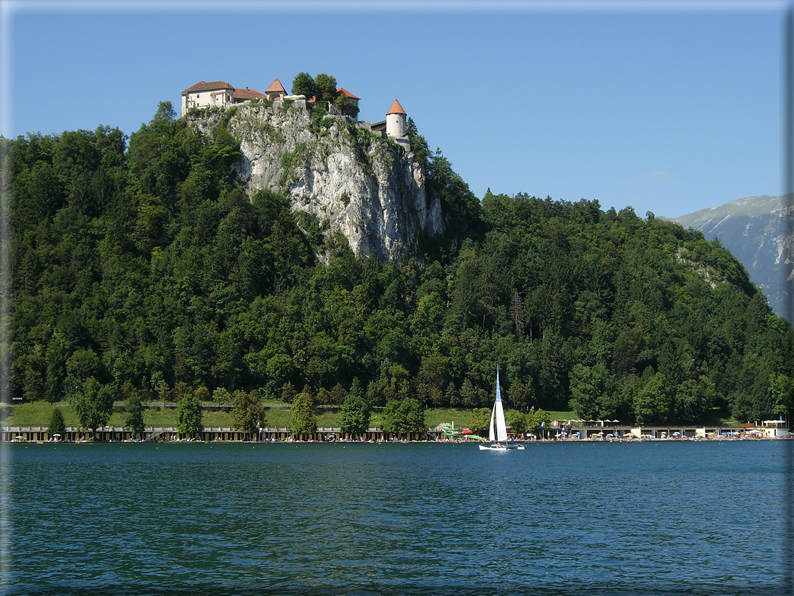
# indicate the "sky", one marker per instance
pixel 667 107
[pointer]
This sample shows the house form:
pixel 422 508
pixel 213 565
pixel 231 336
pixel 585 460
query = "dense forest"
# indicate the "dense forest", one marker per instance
pixel 142 264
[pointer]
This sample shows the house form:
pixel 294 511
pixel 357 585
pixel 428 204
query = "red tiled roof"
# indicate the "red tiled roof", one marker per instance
pixel 347 93
pixel 396 108
pixel 276 87
pixel 245 94
pixel 204 86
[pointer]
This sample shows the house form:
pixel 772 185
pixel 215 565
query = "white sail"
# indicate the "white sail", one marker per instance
pixel 497 433
pixel 498 414
pixel 491 433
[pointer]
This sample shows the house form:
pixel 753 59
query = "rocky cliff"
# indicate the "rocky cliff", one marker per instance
pixel 352 180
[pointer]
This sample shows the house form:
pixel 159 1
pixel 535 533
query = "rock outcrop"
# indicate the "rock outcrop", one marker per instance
pixel 352 180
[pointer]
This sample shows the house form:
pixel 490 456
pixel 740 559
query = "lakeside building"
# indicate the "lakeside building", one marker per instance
pixel 557 431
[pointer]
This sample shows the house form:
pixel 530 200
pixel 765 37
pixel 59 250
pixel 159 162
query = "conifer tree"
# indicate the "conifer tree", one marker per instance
pixel 57 425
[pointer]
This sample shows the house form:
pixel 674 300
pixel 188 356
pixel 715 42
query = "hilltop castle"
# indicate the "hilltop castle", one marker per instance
pixel 222 94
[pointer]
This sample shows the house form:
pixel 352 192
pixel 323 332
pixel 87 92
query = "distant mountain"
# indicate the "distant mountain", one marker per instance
pixel 754 230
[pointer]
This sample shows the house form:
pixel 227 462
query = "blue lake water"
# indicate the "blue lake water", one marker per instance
pixel 424 518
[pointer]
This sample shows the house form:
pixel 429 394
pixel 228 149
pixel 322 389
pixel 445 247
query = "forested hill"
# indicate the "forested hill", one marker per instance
pixel 147 267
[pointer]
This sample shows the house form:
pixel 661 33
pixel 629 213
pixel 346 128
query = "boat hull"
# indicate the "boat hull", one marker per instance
pixel 500 447
pixel 493 448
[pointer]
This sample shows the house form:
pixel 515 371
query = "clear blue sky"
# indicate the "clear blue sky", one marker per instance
pixel 664 107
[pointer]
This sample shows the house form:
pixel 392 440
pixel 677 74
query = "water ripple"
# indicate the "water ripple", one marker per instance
pixel 416 518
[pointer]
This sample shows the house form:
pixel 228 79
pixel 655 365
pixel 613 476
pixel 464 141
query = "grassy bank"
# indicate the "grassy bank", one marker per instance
pixel 39 414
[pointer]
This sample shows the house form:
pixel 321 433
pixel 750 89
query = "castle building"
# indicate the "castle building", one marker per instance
pixel 395 121
pixel 220 94
pixel 275 91
pixel 207 95
pixel 216 94
pixel 353 98
pixel 243 95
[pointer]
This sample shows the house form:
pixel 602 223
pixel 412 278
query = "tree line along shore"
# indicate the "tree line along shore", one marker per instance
pixel 279 418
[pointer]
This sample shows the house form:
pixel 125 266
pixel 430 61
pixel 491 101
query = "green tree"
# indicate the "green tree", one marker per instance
pixel 303 84
pixel 783 394
pixel 81 366
pixel 469 395
pixel 93 404
pixel 433 378
pixel 354 416
pixel 404 416
pixel 326 87
pixel 202 394
pixel 345 106
pixel 221 396
pixel 517 421
pixel 537 420
pixel 57 425
pixel 164 392
pixel 248 413
pixel 337 395
pixel 653 402
pixel 479 421
pixel 189 415
pixel 303 420
pixel 520 394
pixel 288 393
pixel 134 409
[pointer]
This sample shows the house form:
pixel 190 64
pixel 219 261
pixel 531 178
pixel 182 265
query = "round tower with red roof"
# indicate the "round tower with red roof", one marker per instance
pixel 395 121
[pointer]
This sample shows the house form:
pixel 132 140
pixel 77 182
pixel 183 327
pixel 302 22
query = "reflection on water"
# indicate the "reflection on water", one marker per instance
pixel 673 517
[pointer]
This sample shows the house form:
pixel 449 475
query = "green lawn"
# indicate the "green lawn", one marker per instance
pixel 39 414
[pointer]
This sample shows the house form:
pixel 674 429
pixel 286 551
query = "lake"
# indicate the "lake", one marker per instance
pixel 409 518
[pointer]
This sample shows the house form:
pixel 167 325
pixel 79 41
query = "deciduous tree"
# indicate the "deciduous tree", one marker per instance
pixel 93 404
pixel 303 84
pixel 189 415
pixel 303 420
pixel 404 416
pixel 248 413
pixel 479 421
pixel 517 421
pixel 354 417
pixel 326 87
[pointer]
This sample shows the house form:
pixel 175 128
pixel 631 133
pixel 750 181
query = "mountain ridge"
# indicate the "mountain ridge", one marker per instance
pixel 754 230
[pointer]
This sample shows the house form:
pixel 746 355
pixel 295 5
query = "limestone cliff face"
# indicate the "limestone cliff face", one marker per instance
pixel 354 181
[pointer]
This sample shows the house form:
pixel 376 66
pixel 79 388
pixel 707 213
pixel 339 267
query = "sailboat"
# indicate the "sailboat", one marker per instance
pixel 497 434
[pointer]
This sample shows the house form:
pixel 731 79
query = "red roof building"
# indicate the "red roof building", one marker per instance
pixel 241 95
pixel 205 95
pixel 275 90
pixel 205 86
pixel 353 98
pixel 396 108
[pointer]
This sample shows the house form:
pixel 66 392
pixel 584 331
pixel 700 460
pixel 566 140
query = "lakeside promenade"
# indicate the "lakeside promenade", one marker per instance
pixel 560 430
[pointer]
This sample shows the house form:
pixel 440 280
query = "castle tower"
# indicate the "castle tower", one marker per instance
pixel 275 91
pixel 395 121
